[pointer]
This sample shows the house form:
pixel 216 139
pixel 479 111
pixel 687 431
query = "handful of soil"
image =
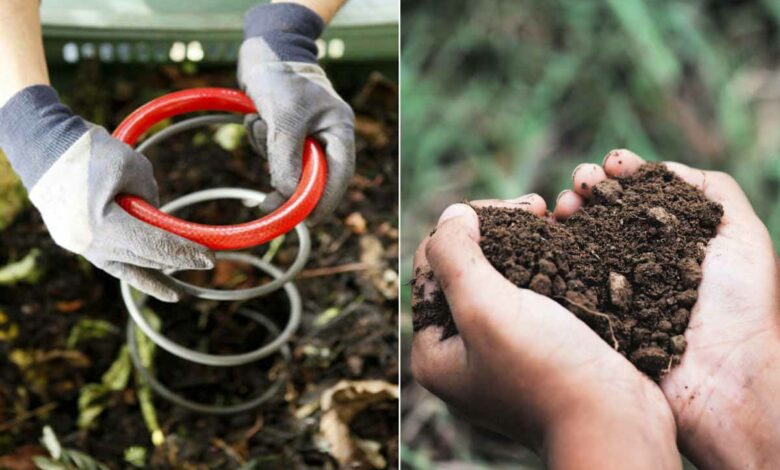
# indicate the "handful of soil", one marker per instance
pixel 628 264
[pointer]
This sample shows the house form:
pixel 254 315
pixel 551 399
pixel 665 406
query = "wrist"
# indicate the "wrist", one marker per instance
pixel 288 31
pixel 606 431
pixel 35 130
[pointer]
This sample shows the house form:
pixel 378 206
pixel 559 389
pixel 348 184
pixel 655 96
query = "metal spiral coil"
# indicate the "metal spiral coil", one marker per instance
pixel 281 280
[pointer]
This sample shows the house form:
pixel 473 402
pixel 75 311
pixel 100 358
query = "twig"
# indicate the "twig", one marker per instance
pixel 596 313
pixel 25 416
pixel 330 270
pixel 229 451
pixel 256 428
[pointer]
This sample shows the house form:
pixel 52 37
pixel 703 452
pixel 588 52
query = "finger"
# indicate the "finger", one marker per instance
pixel 272 201
pixel 585 177
pixel 339 146
pixel 125 233
pixel 285 152
pixel 148 281
pixel 567 203
pixel 125 256
pixel 423 284
pixel 438 365
pixel 532 203
pixel 721 188
pixel 257 131
pixel 621 162
pixel 469 281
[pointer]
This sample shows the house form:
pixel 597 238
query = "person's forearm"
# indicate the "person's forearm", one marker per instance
pixel 327 9
pixel 21 47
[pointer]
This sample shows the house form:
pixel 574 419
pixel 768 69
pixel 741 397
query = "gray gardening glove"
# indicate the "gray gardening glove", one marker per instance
pixel 277 68
pixel 73 170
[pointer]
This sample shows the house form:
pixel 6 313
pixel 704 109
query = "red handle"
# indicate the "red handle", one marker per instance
pixel 222 237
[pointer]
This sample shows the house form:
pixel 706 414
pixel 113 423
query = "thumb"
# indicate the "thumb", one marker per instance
pixel 257 131
pixel 470 283
pixel 285 157
pixel 272 202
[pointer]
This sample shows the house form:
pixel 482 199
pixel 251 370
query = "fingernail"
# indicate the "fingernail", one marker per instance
pixel 527 198
pixel 558 197
pixel 576 169
pixel 455 210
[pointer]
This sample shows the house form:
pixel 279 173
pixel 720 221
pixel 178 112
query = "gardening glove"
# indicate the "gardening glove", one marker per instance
pixel 73 170
pixel 277 68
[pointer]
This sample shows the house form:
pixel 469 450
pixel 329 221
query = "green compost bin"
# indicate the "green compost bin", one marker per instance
pixel 204 31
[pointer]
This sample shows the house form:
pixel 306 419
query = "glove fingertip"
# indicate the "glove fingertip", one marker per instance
pixel 165 295
pixel 204 260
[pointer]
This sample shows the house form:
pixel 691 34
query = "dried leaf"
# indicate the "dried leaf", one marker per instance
pixel 373 131
pixel 340 404
pixel 383 278
pixel 21 458
pixel 356 223
pixel 372 450
pixel 69 306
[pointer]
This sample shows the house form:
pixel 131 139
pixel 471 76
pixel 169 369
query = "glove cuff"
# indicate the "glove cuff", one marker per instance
pixel 35 130
pixel 288 29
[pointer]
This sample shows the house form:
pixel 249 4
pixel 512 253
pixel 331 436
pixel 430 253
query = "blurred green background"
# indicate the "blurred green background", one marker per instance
pixel 502 98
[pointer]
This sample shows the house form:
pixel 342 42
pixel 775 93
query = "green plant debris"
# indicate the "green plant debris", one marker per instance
pixel 62 458
pixel 325 317
pixel 8 330
pixel 93 397
pixel 229 136
pixel 36 365
pixel 136 456
pixel 89 328
pixel 25 270
pixel 273 248
pixel 146 350
pixel 13 197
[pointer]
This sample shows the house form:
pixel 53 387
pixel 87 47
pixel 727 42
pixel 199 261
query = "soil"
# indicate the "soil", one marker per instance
pixel 359 342
pixel 628 263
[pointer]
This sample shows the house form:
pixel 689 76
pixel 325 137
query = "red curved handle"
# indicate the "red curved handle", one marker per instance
pixel 222 237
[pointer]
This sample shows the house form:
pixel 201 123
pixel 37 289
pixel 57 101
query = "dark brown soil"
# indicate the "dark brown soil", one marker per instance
pixel 628 264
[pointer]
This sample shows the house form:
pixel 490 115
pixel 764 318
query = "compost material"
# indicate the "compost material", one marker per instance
pixel 62 329
pixel 628 264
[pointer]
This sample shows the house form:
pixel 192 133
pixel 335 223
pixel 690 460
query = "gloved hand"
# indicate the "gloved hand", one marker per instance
pixel 277 68
pixel 73 170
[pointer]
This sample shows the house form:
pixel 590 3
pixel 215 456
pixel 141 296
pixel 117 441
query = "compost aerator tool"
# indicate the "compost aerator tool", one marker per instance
pixel 221 237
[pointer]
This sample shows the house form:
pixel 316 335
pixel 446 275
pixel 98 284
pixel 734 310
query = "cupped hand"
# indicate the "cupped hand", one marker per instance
pixel 525 366
pixel 724 392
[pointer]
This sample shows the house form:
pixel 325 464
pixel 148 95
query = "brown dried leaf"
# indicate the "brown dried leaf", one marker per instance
pixel 356 223
pixel 69 306
pixel 340 404
pixel 22 458
pixel 383 278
